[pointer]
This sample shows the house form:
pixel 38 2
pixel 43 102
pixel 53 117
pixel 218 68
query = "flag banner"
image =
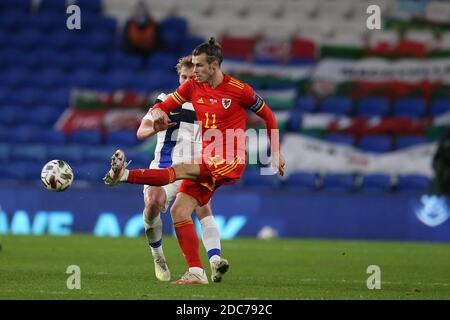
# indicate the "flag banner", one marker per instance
pixel 304 153
pixel 379 70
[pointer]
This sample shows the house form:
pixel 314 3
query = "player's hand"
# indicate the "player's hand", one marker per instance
pixel 160 119
pixel 160 126
pixel 278 163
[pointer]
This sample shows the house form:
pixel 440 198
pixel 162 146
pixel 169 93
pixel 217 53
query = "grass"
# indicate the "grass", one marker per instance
pixel 34 267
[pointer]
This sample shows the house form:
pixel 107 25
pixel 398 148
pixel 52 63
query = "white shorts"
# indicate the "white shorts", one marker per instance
pixel 171 192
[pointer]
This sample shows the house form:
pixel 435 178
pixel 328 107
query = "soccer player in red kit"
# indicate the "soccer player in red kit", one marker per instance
pixel 220 102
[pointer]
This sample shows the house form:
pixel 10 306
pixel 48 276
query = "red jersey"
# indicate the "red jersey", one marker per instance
pixel 223 109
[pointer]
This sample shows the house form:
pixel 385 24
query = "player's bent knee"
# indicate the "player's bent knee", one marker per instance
pixel 179 213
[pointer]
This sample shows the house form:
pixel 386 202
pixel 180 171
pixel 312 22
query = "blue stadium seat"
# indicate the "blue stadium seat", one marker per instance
pixel 173 31
pixel 120 60
pixel 84 78
pixel 375 144
pixel 373 107
pixel 58 98
pixel 93 7
pixel 301 181
pixel 118 79
pixel 143 83
pixel 69 153
pixel 98 153
pixel 413 182
pixel 90 171
pixel 24 97
pixel 294 122
pixel 252 178
pixel 99 23
pixel 409 107
pixel 15 58
pixel 159 80
pixel 122 138
pixel 336 105
pixel 341 139
pixel 4 93
pixel 5 151
pixel 91 137
pixel 4 40
pixel 440 106
pixel 23 170
pixel 49 136
pixel 140 159
pixel 14 77
pixel 49 58
pixel 61 40
pixel 96 41
pixel 13 21
pixel 339 182
pixel 376 182
pixel 6 134
pixel 40 115
pixel 87 59
pixel 50 78
pixel 52 6
pixel 305 104
pixel 404 142
pixel 190 42
pixel 10 115
pixel 161 61
pixel 30 152
pixel 23 6
pixel 23 133
pixel 26 40
pixel 48 22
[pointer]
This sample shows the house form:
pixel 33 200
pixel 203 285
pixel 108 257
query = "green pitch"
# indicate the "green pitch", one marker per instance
pixel 122 268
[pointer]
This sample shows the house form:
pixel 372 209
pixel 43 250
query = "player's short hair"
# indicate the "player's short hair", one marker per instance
pixel 184 62
pixel 212 49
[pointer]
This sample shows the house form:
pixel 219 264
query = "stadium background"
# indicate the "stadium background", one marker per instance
pixel 76 95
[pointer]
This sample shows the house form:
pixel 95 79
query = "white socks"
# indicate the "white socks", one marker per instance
pixel 153 232
pixel 211 238
pixel 124 177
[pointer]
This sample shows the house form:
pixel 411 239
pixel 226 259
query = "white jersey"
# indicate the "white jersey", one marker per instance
pixel 181 143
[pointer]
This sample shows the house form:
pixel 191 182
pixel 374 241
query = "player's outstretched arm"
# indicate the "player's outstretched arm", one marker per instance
pixel 145 129
pixel 159 111
pixel 278 161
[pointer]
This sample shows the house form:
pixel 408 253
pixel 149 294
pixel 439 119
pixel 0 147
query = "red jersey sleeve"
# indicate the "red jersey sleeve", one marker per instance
pixel 176 99
pixel 254 102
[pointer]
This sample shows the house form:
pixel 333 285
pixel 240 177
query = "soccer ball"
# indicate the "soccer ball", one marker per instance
pixel 56 175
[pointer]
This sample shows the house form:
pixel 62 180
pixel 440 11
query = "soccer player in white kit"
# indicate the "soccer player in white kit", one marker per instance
pixel 180 143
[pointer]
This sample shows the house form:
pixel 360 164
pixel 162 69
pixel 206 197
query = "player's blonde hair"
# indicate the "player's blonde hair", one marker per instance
pixel 184 62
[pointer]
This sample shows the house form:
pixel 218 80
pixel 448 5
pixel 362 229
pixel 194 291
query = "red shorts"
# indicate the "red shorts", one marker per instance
pixel 221 173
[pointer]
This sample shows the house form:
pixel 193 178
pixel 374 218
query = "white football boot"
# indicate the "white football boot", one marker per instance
pixel 118 165
pixel 192 278
pixel 218 269
pixel 162 271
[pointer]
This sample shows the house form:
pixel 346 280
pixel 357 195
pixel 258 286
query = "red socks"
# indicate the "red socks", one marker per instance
pixel 153 177
pixel 189 244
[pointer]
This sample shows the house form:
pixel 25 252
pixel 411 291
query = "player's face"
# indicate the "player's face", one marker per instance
pixel 202 69
pixel 185 74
